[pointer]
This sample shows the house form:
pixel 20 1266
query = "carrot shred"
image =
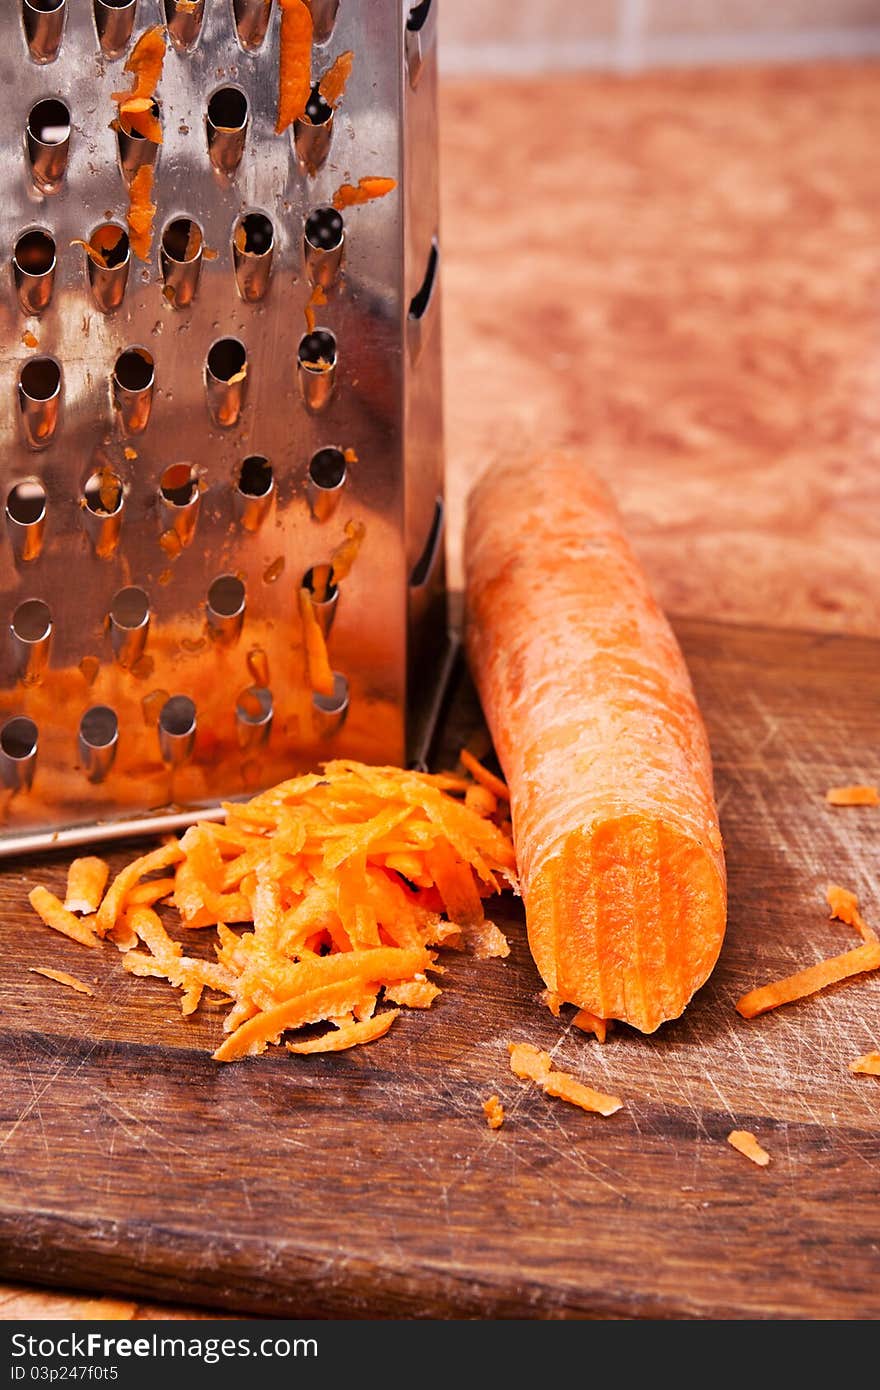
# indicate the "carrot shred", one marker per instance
pixel 845 907
pixel 805 982
pixel 55 915
pixel 856 795
pixel 531 1064
pixel 552 1001
pixel 332 877
pixel 482 775
pixel 295 62
pixel 745 1143
pixel 494 1112
pixel 141 211
pixel 368 188
pixel 62 978
pixel 348 1035
pixel 592 1023
pixel 145 63
pixel 332 85
pixel 869 1065
pixel 317 660
pixel 86 881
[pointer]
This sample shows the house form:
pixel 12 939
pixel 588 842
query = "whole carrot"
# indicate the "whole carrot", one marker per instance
pixel 595 723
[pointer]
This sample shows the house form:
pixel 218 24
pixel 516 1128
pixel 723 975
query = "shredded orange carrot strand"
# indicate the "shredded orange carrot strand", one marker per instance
pixel 55 915
pixel 114 903
pixel 845 907
pixel 347 195
pixel 29 340
pixel 317 299
pixel 869 1065
pixel 806 982
pixel 332 84
pixel 141 211
pixel 295 62
pixel 86 881
pixel 494 1112
pixel 530 1064
pixel 348 1035
pixel 482 775
pixel 330 876
pixel 592 1023
pixel 345 554
pixel 62 978
pixel 566 1087
pixel 745 1143
pixel 317 660
pixel 853 796
pixel 145 62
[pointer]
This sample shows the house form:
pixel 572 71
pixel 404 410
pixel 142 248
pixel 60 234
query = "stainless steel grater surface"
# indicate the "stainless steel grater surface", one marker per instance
pixel 181 455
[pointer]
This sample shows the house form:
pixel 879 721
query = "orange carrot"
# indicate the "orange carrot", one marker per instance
pixel 530 1064
pixel 595 723
pixel 494 1112
pixel 368 188
pixel 86 881
pixel 145 61
pixel 589 1023
pixel 845 907
pixel 55 915
pixel 853 796
pixel 295 63
pixel 141 211
pixel 349 1035
pixel 869 1065
pixel 320 671
pixel 61 977
pixel 332 84
pixel 810 981
pixel 745 1143
pixel 482 775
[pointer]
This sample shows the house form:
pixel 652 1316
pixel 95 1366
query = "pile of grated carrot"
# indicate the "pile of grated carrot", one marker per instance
pixel 345 882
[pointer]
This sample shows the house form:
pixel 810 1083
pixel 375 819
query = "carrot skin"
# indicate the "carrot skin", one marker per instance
pixel 594 721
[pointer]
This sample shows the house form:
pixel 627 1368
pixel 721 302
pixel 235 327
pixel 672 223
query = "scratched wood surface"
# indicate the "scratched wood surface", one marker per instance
pixel 368 1183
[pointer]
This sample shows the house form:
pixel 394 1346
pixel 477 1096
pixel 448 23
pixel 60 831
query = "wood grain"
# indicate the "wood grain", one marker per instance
pixel 368 1183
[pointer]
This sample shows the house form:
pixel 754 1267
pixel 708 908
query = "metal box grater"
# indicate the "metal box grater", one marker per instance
pixel 180 454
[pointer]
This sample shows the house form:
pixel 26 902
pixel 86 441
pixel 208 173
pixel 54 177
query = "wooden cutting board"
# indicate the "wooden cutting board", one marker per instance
pixel 368 1183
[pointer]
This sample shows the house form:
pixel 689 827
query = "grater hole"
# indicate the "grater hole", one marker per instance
pixel 99 727
pixel 179 485
pixel 226 596
pixel 110 241
pixel 103 494
pixel 44 27
pixel 18 738
pixel 134 370
pixel 182 240
pixel 48 123
pixel 418 15
pixel 329 590
pixel 254 234
pixel 327 469
pixel 251 21
pixel 323 18
pixel 184 21
pixel 26 503
pixel 324 229
pixel 228 109
pixel 178 717
pixel 132 132
pixel 227 360
pixel 317 351
pixel 114 21
pixel 41 379
pixel 318 110
pixel 422 297
pixel 32 621
pixel 34 253
pixel 253 706
pixel 337 703
pixel 130 609
pixel 255 477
